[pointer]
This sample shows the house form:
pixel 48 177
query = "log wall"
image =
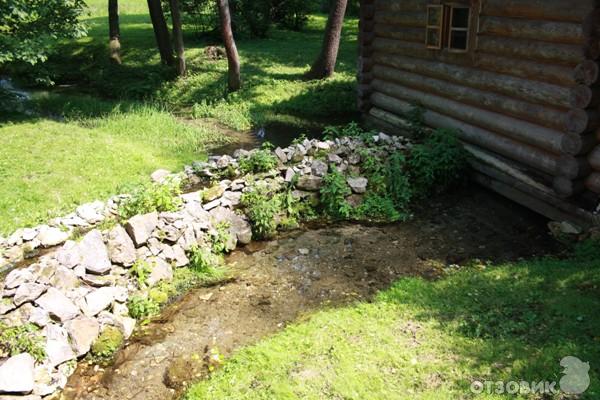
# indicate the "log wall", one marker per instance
pixel 526 92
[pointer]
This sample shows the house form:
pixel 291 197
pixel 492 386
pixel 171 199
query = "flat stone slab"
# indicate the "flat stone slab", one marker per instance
pixel 58 305
pixel 94 254
pixel 17 374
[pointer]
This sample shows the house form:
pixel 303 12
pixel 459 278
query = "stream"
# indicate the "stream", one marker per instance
pixel 279 281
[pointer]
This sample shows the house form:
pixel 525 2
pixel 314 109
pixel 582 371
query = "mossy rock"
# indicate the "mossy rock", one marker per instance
pixel 108 342
pixel 212 193
pixel 158 296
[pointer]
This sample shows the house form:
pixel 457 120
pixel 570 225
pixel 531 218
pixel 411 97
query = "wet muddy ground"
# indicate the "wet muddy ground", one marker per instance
pixel 280 281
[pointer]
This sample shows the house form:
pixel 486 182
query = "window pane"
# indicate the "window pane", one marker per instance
pixel 433 38
pixel 460 18
pixel 458 40
pixel 434 16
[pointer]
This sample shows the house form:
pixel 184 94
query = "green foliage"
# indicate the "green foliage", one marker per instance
pixel 108 342
pixel 203 260
pixel 25 338
pixel 152 197
pixel 350 130
pixel 30 29
pixel 438 163
pixel 258 161
pixel 378 208
pixel 399 188
pixel 333 195
pixel 262 206
pixel 220 238
pixel 141 270
pixel 142 307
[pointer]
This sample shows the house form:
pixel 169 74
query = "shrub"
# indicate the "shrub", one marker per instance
pixel 398 185
pixel 26 338
pixel 152 197
pixel 202 260
pixel 108 342
pixel 262 160
pixel 141 270
pixel 261 207
pixel 221 238
pixel 141 307
pixel 379 208
pixel 437 163
pixel 333 195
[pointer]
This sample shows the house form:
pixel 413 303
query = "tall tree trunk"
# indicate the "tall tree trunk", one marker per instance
pixel 178 37
pixel 114 32
pixel 324 66
pixel 161 32
pixel 233 59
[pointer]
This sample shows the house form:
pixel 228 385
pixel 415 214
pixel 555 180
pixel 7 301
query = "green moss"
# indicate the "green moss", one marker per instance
pixel 108 342
pixel 21 339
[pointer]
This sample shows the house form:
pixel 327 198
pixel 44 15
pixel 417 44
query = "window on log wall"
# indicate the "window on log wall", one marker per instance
pixel 448 26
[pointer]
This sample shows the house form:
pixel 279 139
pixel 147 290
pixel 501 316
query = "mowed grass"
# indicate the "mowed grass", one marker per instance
pixel 115 124
pixel 431 340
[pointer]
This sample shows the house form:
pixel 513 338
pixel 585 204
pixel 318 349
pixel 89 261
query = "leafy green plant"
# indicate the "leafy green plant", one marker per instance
pixel 142 307
pixel 221 238
pixel 261 207
pixel 108 342
pixel 379 208
pixel 333 195
pixel 25 338
pixel 152 197
pixel 262 160
pixel 398 185
pixel 203 260
pixel 437 163
pixel 141 270
pixel 350 130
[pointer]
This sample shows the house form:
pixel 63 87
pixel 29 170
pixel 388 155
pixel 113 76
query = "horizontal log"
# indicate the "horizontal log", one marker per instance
pixel 526 154
pixel 568 54
pixel 592 182
pixel 530 91
pixel 583 96
pixel 535 113
pixel 392 119
pixel 586 73
pixel 366 38
pixel 409 18
pixel 594 159
pixel 367 11
pixel 589 141
pixel 551 206
pixel 409 34
pixel 579 121
pixel 531 70
pixel 367 25
pixel 566 188
pixel 538 30
pixel 401 6
pixel 556 10
pixel 591 32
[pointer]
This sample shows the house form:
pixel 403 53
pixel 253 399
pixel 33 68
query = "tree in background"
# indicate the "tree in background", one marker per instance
pixel 30 29
pixel 233 59
pixel 161 32
pixel 324 66
pixel 114 32
pixel 178 37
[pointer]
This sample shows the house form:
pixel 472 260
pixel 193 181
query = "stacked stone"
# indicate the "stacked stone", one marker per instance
pixel 76 292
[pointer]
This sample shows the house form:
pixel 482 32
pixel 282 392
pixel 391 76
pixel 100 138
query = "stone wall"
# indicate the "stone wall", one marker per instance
pixel 75 292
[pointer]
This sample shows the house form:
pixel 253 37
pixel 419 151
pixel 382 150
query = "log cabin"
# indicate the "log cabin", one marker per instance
pixel 518 80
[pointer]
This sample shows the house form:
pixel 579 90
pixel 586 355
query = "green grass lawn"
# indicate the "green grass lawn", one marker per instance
pixel 116 124
pixel 431 340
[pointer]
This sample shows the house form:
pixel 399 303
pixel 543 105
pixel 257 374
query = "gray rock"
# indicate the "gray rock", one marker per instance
pixel 161 271
pixel 140 227
pixel 160 175
pixel 319 168
pixel 58 305
pixel 384 138
pixel 28 292
pixel 179 257
pixel 6 305
pixel 69 255
pixel 99 300
pixel 121 249
pixel 310 183
pixel 209 206
pixel 64 279
pixel 354 158
pixel 358 185
pixel 193 197
pixel 58 348
pixel 83 332
pixel 354 200
pixel 231 199
pixel 94 255
pixel 17 374
pixel 51 236
pixel 17 277
pixel 91 212
pixel 281 155
pixel 39 317
pixel 29 234
pixel 212 193
pixel 334 158
pixel 15 255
